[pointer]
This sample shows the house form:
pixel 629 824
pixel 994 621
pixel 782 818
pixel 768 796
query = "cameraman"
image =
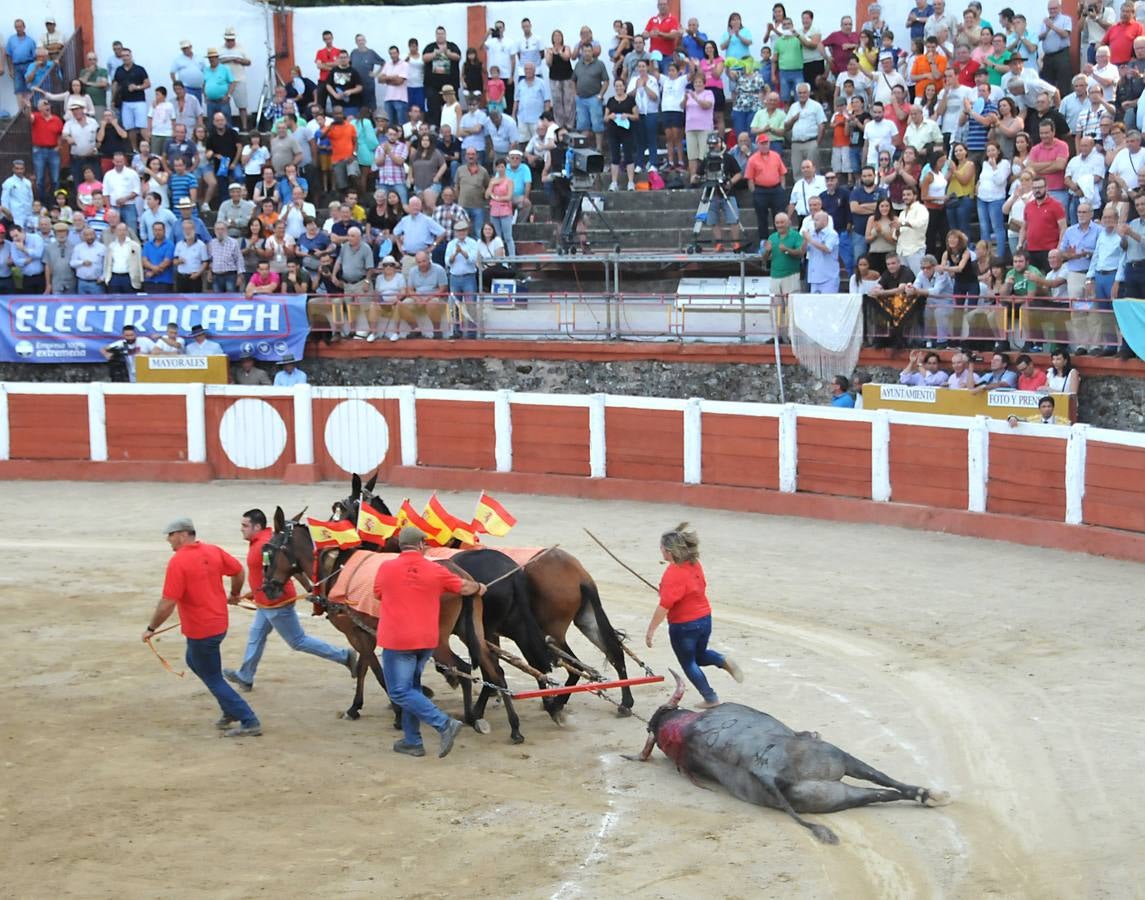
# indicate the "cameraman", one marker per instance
pixel 722 171
pixel 121 354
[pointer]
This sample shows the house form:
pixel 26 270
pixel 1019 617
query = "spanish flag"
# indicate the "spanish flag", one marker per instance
pixel 373 524
pixel 435 512
pixel 491 517
pixel 407 516
pixel 341 534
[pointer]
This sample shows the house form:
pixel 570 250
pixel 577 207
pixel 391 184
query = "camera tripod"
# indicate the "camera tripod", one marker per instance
pixel 710 189
pixel 574 212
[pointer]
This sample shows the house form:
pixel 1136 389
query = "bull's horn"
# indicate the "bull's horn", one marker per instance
pixel 674 700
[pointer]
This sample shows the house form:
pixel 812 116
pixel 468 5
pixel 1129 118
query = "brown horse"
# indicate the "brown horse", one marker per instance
pixel 291 553
pixel 561 593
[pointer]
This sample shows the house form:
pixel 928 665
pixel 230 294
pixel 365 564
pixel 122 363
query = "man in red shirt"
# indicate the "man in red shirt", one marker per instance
pixel 46 130
pixel 326 59
pixel 1119 38
pixel 662 31
pixel 765 171
pixel 279 614
pixel 409 590
pixel 843 44
pixel 1043 225
pixel 194 584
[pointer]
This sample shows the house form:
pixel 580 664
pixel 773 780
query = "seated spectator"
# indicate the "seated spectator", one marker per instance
pixel 201 343
pixel 249 375
pixel 936 289
pixel 391 287
pixel 297 280
pixel 426 290
pixel 288 373
pixel 263 281
pixel 1000 376
pixel 1044 416
pixel 923 370
pixel 236 212
pixel 841 392
pixel 962 378
pixel 1030 378
pixel 1061 376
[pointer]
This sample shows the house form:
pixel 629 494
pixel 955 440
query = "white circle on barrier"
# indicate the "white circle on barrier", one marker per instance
pixel 252 433
pixel 357 436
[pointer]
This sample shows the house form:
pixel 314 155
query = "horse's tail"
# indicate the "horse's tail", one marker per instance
pixel 532 643
pixel 593 622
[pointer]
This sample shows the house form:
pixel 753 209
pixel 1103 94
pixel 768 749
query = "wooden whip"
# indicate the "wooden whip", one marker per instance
pixel 621 563
pixel 517 569
pixel 516 661
pixel 158 655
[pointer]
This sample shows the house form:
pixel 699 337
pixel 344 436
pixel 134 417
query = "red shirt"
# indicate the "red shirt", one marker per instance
pixel 1032 380
pixel 765 170
pixel 842 45
pixel 254 573
pixel 966 72
pixel 46 130
pixel 195 582
pixel 409 590
pixel 684 592
pixel 667 46
pixel 327 55
pixel 1120 40
pixel 1042 219
pixel 1059 149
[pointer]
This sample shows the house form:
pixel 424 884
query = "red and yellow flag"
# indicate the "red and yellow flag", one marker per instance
pixel 491 517
pixel 407 516
pixel 436 517
pixel 341 534
pixel 458 528
pixel 373 524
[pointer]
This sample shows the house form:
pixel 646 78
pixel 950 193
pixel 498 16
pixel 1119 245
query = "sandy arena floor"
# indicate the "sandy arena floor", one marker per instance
pixel 1009 676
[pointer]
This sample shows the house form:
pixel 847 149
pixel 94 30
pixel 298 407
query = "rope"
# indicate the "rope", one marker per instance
pixel 158 655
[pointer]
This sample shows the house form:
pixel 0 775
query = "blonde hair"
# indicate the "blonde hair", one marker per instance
pixel 681 544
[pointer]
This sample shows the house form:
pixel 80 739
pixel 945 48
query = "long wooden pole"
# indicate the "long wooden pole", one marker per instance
pixel 590 687
pixel 620 562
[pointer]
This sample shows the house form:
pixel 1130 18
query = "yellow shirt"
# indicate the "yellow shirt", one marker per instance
pixel 955 188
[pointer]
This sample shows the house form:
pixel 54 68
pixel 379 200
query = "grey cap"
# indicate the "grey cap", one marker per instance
pixel 182 524
pixel 410 536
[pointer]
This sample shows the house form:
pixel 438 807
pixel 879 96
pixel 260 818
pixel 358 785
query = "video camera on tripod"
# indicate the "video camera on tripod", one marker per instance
pixel 572 185
pixel 582 162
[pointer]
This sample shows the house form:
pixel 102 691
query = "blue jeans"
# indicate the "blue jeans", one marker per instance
pixel 463 289
pixel 503 226
pixel 226 283
pixel 120 284
pixel 1071 209
pixel 398 188
pixel 46 161
pixel 476 220
pixel 397 111
pixel 219 106
pixel 690 644
pixel 88 287
pixel 859 245
pixel 846 252
pixel 129 215
pixel 402 670
pixel 284 620
pixel 741 121
pixel 416 96
pixel 958 214
pixel 204 659
pixel 590 114
pixel 1061 196
pixel 992 223
pixel 647 150
pixel 787 82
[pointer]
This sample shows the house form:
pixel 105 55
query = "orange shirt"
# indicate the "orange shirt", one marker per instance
pixel 840 130
pixel 684 592
pixel 343 140
pixel 254 565
pixel 409 590
pixel 195 582
pixel 765 170
pixel 920 71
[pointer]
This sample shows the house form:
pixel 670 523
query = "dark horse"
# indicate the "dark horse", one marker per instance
pixel 290 553
pixel 560 593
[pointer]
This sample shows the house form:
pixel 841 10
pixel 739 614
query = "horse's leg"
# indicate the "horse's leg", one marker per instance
pixel 557 710
pixel 365 657
pixel 592 622
pixel 831 796
pixel 856 768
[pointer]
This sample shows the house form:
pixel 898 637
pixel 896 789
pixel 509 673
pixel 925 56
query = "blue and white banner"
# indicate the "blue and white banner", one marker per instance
pixel 72 329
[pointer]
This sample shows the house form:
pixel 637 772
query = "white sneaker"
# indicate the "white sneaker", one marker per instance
pixel 651 168
pixel 395 336
pixel 360 336
pixel 614 186
pixel 639 168
pixel 632 185
pixel 371 337
pixel 205 207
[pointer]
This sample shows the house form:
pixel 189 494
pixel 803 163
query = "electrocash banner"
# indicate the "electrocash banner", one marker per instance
pixel 72 329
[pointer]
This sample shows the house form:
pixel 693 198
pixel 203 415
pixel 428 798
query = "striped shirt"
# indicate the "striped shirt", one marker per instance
pixel 976 132
pixel 226 257
pixel 180 186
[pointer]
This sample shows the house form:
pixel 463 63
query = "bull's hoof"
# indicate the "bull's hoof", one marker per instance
pixel 482 727
pixel 935 798
pixel 559 716
pixel 624 711
pixel 517 738
pixel 824 834
pixel 350 714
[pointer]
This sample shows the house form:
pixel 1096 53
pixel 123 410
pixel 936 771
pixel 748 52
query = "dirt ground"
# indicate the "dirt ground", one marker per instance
pixel 1008 676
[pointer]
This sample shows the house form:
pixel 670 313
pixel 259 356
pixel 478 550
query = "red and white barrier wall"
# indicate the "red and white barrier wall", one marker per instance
pixel 1074 486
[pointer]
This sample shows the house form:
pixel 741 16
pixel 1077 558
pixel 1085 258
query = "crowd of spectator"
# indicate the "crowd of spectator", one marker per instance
pixel 974 164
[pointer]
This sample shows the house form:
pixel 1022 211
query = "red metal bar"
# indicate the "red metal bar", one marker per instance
pixel 587 686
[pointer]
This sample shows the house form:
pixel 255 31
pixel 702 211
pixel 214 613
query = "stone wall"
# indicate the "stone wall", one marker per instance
pixel 1108 401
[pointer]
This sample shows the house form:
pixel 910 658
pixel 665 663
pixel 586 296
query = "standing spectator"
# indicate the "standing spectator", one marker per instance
pixel 416 231
pixel 188 111
pixel 46 130
pixel 473 128
pixel 558 62
pixel 191 260
pixel 771 121
pixel 57 260
pixel 699 119
pixel 187 70
pixel 472 179
pixel 325 59
pixel 222 147
pixel 128 88
pixel 441 58
pixel 765 171
pixel 158 257
pixel 95 82
pixel 811 41
pixel 288 375
pixel 501 131
pixel 736 41
pixel 368 64
pixel 390 160
pixel 863 202
pixel 806 123
pixel 499 55
pixel 591 79
pixel 26 249
pixel 87 262
pixel 1043 224
pixel 784 250
pixel 395 98
pixel 843 44
pixel 528 49
pixel 879 135
pixel 20 51
pixel 343 138
pixel 156 212
pixel 1101 279
pixel 500 196
pixel 711 65
pixel 461 262
pixel 673 90
pixel 234 57
pixel 910 233
pixel 415 81
pixel 122 189
pixel 218 86
pixel 226 261
pixel 123 263
pixel 1119 38
pixel 788 61
pixel 749 88
pixel 532 100
pixel 822 256
pixel 344 87
pixel 663 30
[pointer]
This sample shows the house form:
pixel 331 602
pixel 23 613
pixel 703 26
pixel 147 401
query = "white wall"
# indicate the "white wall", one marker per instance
pixel 33 16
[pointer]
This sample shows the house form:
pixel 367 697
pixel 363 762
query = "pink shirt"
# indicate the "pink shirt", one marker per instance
pixel 1055 181
pixel 696 118
pixel 396 92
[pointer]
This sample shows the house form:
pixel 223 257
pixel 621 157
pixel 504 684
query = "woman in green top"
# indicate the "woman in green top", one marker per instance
pixel 997 63
pixel 788 61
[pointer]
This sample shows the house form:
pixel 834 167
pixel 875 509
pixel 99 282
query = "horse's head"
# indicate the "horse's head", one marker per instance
pixel 348 507
pixel 289 552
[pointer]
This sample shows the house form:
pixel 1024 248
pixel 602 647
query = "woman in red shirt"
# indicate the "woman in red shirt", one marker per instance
pixel 684 603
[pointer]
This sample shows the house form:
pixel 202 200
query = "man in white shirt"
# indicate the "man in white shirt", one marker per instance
pixel 1074 104
pixel 878 134
pixel 805 123
pixel 529 49
pixel 499 53
pixel 1126 166
pixel 810 184
pixel 1024 85
pixel 87 262
pixel 949 108
pixel 461 264
pixel 1104 74
pixel 941 19
pixel 886 78
pixel 121 354
pixel 123 263
pixel 80 134
pixel 121 187
pixel 1084 176
pixel 921 132
pixel 911 231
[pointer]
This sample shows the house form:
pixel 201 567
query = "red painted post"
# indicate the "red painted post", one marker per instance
pixel 587 687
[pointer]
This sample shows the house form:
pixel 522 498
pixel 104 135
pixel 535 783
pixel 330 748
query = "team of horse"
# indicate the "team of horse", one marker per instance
pixel 533 605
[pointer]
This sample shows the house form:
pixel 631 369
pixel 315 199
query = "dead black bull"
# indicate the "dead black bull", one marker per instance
pixel 760 760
